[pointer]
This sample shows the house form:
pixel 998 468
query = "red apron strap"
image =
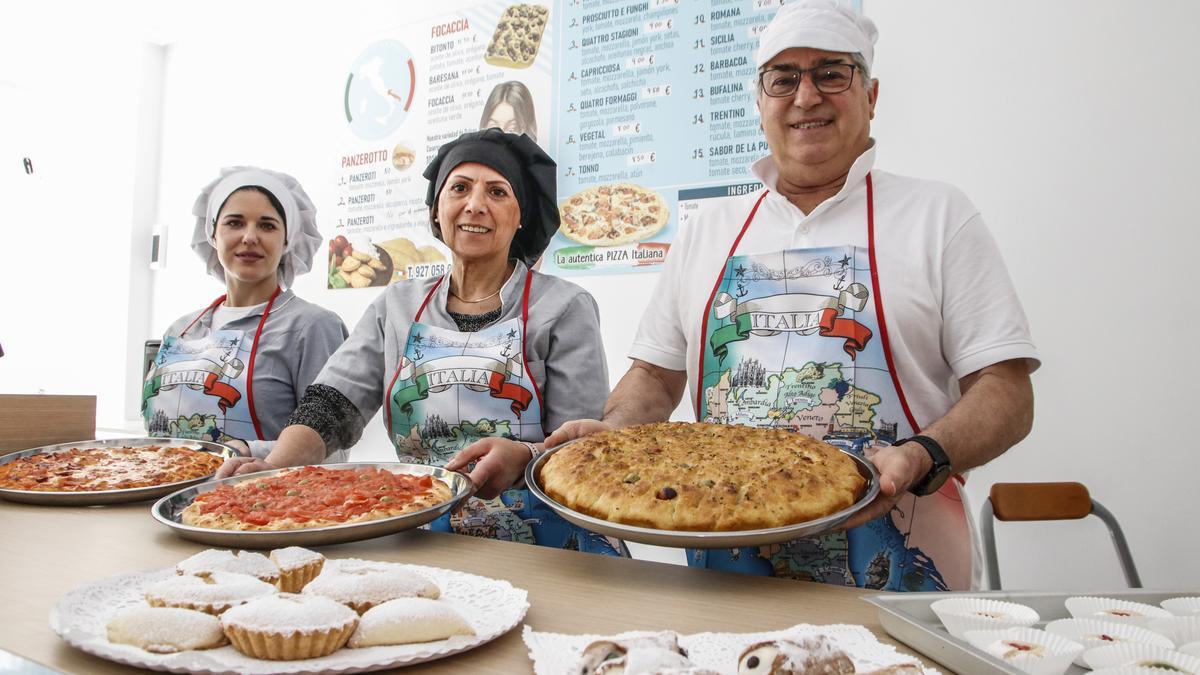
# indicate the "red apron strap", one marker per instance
pixel 204 311
pixel 708 305
pixel 250 366
pixel 524 344
pixel 387 391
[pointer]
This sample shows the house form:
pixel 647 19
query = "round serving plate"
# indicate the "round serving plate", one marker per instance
pixel 169 510
pixel 96 497
pixel 696 539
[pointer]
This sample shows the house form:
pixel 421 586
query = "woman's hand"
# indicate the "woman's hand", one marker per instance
pixel 237 466
pixel 574 429
pixel 239 446
pixel 499 463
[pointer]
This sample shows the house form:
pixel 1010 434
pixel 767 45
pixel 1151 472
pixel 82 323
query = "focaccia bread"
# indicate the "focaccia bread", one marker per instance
pixel 518 36
pixel 702 477
pixel 611 215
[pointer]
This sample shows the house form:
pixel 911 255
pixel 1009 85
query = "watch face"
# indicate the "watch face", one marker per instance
pixel 935 479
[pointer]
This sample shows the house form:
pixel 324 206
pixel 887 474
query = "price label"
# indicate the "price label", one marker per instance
pixel 664 3
pixel 763 5
pixel 753 32
pixel 641 158
pixel 627 129
pixel 657 25
pixel 640 61
pixel 656 90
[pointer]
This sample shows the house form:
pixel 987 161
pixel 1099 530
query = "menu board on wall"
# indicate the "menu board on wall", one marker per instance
pixel 641 102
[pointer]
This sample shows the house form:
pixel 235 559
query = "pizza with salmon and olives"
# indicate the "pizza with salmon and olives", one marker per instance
pixel 702 477
pixel 108 468
pixel 611 215
pixel 314 496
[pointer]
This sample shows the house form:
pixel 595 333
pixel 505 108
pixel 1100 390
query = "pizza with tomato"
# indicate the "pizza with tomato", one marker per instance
pixel 314 496
pixel 112 468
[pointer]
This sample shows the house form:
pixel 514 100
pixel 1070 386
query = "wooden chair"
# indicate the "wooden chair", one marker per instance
pixel 29 421
pixel 1047 501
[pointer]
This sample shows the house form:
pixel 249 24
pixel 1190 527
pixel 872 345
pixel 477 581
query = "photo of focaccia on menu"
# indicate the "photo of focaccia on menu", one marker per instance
pixel 518 36
pixel 313 496
pixel 612 215
pixel 109 468
pixel 702 477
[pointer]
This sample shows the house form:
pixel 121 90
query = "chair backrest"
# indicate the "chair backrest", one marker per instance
pixel 28 421
pixel 1047 501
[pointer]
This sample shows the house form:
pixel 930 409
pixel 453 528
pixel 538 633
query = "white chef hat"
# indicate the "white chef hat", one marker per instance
pixel 818 24
pixel 300 218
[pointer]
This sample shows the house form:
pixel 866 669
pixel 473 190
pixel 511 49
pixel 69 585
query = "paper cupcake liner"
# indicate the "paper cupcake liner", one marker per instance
pixel 1054 660
pixel 1182 606
pixel 960 615
pixel 1137 655
pixel 1111 609
pixel 1180 630
pixel 1084 630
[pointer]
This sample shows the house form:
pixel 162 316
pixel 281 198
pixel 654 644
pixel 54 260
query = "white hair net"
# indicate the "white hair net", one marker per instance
pixel 300 228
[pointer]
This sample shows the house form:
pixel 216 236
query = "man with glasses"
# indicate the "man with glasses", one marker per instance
pixel 863 308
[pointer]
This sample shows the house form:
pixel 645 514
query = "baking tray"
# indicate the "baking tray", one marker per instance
pixel 908 618
pixel 691 539
pixel 96 497
pixel 168 511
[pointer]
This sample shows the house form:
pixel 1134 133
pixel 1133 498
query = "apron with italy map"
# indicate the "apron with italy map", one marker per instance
pixel 795 339
pixel 203 388
pixel 452 389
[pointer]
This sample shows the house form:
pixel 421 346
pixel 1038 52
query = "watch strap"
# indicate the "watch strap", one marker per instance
pixel 940 469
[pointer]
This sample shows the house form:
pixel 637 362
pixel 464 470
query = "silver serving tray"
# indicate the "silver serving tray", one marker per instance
pixel 95 497
pixel 168 511
pixel 908 618
pixel 694 539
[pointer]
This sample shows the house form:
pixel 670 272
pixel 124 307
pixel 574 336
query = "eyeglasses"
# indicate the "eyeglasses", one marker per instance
pixel 831 78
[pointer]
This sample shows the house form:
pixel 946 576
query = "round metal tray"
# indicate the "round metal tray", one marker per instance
pixel 169 509
pixel 95 497
pixel 696 539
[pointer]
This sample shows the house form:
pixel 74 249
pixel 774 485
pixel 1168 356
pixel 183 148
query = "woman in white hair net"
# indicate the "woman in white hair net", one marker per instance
pixel 234 370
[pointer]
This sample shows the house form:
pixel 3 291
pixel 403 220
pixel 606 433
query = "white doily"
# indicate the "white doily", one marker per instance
pixel 558 654
pixel 491 606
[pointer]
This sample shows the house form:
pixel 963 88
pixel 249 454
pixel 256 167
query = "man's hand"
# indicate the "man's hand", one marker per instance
pixel 899 467
pixel 499 463
pixel 239 466
pixel 574 429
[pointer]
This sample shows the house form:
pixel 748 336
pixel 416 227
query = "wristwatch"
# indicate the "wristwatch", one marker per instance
pixel 938 473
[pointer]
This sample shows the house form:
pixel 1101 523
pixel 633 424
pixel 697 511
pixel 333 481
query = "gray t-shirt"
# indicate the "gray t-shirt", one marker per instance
pixel 565 354
pixel 296 340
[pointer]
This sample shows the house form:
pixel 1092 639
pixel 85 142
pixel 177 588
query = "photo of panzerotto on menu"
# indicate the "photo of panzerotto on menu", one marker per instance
pixel 518 36
pixel 611 215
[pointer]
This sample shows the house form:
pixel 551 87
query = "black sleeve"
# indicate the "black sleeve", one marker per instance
pixel 328 412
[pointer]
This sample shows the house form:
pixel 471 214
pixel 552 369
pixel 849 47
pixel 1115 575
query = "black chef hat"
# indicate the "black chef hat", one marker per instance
pixel 530 171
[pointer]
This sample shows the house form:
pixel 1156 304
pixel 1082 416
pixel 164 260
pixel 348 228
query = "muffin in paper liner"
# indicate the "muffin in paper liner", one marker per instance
pixel 1099 633
pixel 1189 606
pixel 1142 656
pixel 1029 650
pixel 1111 609
pixel 960 615
pixel 289 626
pixel 1180 630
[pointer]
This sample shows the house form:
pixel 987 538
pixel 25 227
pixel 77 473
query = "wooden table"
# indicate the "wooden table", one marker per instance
pixel 45 551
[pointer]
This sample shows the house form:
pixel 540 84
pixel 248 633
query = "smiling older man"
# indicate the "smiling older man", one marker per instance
pixel 864 308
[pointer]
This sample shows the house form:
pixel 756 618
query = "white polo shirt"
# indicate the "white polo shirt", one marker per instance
pixel 948 301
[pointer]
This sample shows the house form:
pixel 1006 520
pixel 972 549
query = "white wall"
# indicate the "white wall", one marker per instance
pixel 1071 125
pixel 71 100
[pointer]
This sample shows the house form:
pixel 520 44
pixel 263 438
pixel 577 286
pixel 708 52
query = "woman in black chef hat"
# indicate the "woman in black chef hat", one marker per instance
pixel 476 366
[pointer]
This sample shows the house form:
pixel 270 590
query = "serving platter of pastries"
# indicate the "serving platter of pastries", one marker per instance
pixel 289 611
pixel 800 650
